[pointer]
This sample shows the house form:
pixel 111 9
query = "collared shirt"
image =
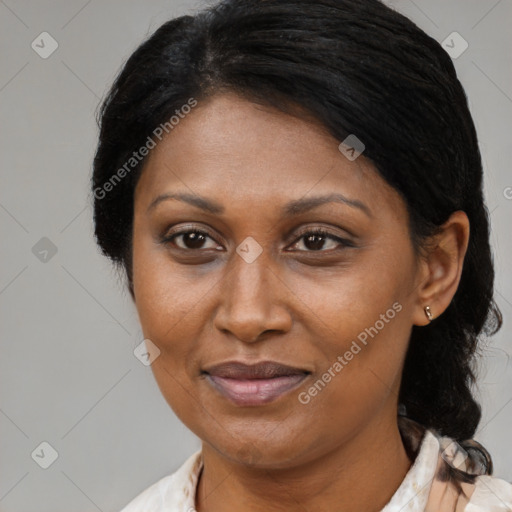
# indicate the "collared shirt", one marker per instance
pixel 429 485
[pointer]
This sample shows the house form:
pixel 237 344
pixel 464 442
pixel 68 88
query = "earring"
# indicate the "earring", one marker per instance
pixel 428 313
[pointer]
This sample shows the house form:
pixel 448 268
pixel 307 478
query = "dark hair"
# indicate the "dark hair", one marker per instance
pixel 358 67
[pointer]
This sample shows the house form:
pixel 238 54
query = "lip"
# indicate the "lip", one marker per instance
pixel 254 384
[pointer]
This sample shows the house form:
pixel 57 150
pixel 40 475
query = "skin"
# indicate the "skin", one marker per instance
pixel 297 303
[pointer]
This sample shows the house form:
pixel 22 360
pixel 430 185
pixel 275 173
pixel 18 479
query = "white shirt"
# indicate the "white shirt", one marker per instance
pixel 420 491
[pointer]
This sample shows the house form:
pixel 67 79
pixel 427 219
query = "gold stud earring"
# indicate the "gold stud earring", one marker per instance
pixel 428 313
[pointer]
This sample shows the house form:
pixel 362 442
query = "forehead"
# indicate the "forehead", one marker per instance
pixel 232 149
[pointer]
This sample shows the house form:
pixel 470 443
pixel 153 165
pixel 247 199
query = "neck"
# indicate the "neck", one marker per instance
pixel 360 475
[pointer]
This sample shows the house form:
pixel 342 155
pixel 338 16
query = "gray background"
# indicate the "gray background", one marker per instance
pixel 68 375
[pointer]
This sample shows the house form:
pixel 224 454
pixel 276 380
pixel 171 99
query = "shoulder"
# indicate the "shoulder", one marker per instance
pixel 490 494
pixel 176 490
pixel 461 485
pixel 485 494
pixel 457 475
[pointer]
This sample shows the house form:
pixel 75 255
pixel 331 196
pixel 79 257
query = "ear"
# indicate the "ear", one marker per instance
pixel 441 267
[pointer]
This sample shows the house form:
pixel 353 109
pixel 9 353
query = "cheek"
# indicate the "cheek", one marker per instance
pixel 167 298
pixel 362 357
pixel 171 314
pixel 362 301
pixel 359 377
pixel 170 311
pixel 360 323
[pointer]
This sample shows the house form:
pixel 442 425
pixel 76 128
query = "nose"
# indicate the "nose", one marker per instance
pixel 252 301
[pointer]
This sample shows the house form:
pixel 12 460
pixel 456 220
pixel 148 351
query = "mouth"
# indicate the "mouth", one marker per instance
pixel 256 384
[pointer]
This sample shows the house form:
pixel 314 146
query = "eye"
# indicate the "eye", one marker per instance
pixel 312 240
pixel 190 239
pixel 320 240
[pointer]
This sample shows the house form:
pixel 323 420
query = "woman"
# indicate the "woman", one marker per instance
pixel 294 189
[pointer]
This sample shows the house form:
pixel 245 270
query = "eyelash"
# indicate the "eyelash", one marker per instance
pixel 312 231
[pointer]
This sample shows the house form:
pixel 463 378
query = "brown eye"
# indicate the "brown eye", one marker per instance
pixel 319 240
pixel 190 240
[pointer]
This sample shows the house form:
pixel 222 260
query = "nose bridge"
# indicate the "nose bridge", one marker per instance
pixel 246 283
pixel 249 299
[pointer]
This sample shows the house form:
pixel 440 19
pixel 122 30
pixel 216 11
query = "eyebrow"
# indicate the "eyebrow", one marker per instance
pixel 291 208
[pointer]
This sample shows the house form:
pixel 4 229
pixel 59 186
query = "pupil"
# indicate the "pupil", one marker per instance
pixel 194 240
pixel 314 242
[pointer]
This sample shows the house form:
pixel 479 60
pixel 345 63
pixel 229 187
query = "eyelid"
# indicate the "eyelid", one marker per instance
pixel 320 230
pixel 308 229
pixel 169 235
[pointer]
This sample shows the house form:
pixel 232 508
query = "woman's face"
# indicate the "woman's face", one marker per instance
pixel 255 285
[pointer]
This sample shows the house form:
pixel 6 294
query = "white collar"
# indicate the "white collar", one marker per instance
pixel 415 488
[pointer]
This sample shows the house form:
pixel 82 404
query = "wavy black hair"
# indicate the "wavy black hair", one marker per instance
pixel 357 67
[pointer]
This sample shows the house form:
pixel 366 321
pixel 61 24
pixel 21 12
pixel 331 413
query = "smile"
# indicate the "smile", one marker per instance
pixel 255 391
pixel 252 385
